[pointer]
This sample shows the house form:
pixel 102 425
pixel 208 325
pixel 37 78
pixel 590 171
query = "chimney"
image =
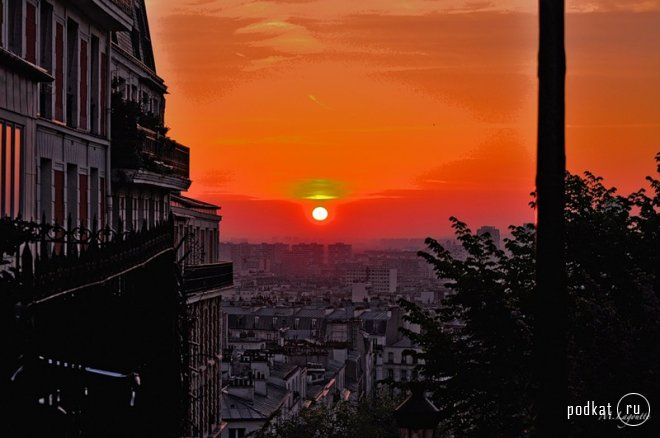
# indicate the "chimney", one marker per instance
pixel 242 387
pixel 260 385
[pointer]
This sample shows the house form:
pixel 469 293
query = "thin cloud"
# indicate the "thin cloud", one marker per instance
pixel 314 99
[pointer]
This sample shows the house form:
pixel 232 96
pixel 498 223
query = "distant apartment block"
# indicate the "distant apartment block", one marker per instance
pixel 492 231
pixel 339 253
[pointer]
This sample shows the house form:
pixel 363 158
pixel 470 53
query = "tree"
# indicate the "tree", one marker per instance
pixel 367 418
pixel 478 346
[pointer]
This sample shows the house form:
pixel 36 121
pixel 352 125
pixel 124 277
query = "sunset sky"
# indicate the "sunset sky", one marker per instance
pixel 410 111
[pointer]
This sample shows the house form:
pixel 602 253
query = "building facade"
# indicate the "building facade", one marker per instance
pixel 148 166
pixel 54 108
pixel 205 277
pixel 83 145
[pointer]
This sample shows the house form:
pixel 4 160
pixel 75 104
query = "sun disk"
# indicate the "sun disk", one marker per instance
pixel 320 214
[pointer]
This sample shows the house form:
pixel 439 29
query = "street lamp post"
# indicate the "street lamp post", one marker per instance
pixel 417 417
pixel 550 296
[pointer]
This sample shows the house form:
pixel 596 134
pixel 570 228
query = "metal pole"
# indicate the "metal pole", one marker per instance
pixel 550 296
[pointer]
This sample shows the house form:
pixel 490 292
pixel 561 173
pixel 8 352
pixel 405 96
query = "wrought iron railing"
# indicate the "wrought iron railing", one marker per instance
pixel 209 276
pixel 51 259
pixel 105 298
pixel 124 5
pixel 164 154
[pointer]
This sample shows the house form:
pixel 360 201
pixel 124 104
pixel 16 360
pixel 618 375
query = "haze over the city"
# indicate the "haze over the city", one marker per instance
pixel 409 112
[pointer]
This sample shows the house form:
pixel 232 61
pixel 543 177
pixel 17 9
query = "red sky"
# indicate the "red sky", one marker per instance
pixel 419 109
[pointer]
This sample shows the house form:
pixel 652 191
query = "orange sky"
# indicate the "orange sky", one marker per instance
pixel 420 109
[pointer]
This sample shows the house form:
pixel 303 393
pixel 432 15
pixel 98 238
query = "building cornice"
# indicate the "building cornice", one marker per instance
pixel 23 67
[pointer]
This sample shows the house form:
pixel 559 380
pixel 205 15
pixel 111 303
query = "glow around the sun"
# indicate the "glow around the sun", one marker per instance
pixel 320 214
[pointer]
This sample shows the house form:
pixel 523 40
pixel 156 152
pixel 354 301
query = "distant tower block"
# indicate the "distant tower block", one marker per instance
pixel 494 233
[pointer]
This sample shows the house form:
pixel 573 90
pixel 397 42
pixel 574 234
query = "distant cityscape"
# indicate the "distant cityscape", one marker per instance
pixel 290 270
pixel 128 315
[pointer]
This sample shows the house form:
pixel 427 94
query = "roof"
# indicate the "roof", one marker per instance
pixel 137 41
pixel 236 310
pixel 282 370
pixel 236 408
pixel 192 203
pixel 296 334
pixel 340 314
pixel 404 343
pixel 261 408
pixel 268 405
pixel 275 311
pixel 375 315
pixel 311 313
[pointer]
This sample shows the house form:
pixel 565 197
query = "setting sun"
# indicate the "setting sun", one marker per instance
pixel 320 214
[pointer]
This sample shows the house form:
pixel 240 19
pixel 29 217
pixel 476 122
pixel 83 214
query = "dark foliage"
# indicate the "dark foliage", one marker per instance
pixel 478 344
pixel 128 139
pixel 368 418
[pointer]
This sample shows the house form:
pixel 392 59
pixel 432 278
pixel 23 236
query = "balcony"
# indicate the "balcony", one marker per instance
pixel 199 278
pixel 141 151
pixel 164 155
pixel 124 5
pixel 152 160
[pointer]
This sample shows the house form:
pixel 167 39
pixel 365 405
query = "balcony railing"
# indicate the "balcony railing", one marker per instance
pixel 164 155
pixel 210 276
pixel 124 5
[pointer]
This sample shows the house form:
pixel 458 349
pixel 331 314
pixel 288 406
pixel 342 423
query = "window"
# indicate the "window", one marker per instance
pixel 202 245
pixel 72 88
pixel 15 26
pixel 46 190
pixel 157 204
pixel 46 58
pixel 59 72
pixel 390 373
pixel 390 357
pixel 236 433
pixel 72 193
pixel 135 220
pixel 102 195
pixel 83 84
pixel 2 16
pixel 104 97
pixel 122 209
pixel 46 36
pixel 83 209
pixel 10 147
pixel 58 182
pixel 94 94
pixel 313 323
pixel 94 195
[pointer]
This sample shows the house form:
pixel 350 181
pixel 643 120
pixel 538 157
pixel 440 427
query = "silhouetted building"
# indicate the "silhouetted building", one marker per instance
pixel 147 166
pixel 339 253
pixel 66 67
pixel 492 231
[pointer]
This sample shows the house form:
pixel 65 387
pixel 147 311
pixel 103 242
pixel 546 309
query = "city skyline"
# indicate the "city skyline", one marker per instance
pixel 439 121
